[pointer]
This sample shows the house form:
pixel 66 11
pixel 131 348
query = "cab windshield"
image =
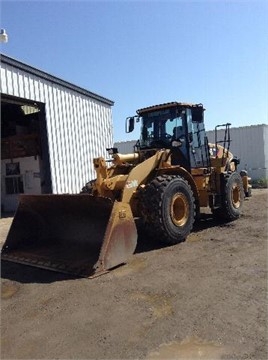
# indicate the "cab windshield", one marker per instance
pixel 161 127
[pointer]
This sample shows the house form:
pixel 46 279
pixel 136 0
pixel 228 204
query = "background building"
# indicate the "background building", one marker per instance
pixel 50 132
pixel 248 143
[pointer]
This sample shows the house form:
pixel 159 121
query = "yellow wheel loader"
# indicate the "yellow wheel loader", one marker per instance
pixel 171 175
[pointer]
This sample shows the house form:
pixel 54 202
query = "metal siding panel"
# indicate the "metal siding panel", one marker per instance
pixel 76 133
pixel 125 147
pixel 89 172
pixel 57 137
pixel 88 159
pixel 63 117
pixel 248 145
pixel 70 139
pixel 15 83
pixel 31 87
pixel 60 139
pixel 63 146
pixel 92 137
pixel 9 81
pixel 64 152
pixel 41 92
pixel 26 86
pixel 20 86
pixel 51 139
pixel 84 142
pixel 78 127
pixel 3 83
pixel 249 152
pixel 73 143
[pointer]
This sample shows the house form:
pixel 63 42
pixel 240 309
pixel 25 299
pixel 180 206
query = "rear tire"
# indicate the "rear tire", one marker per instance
pixel 168 208
pixel 232 198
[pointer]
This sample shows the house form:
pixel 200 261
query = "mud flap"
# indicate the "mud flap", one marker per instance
pixel 80 234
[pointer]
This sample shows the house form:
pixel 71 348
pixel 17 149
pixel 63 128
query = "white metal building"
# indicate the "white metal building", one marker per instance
pixel 248 143
pixel 50 132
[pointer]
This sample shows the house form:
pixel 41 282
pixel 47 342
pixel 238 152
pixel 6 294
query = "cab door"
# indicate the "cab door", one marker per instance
pixel 198 144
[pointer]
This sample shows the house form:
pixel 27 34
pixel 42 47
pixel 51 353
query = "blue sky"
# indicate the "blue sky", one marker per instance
pixel 141 53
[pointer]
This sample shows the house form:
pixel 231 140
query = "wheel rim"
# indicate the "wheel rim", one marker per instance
pixel 236 201
pixel 179 209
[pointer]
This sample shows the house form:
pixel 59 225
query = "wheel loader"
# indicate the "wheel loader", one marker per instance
pixel 172 173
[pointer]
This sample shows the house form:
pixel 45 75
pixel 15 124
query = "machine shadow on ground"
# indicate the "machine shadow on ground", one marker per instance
pixel 147 243
pixel 28 274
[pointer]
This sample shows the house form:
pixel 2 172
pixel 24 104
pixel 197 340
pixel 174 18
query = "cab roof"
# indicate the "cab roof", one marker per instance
pixel 168 105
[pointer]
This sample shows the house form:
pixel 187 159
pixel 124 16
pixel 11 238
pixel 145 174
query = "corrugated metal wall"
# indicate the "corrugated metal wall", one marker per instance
pixel 249 144
pixel 79 127
pixel 125 147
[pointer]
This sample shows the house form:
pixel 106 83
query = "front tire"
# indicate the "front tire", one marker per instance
pixel 168 208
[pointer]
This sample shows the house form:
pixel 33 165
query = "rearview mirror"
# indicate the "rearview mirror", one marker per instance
pixel 198 115
pixel 130 124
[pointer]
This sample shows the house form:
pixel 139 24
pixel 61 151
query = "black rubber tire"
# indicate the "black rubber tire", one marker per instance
pixel 88 188
pixel 232 198
pixel 168 208
pixel 248 193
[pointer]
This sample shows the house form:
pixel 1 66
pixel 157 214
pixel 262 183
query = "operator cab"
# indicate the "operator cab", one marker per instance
pixel 175 126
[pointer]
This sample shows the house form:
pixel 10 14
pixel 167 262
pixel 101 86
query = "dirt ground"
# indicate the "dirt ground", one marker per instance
pixel 205 298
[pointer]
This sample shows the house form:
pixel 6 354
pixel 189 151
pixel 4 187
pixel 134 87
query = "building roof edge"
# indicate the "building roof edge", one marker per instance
pixel 54 79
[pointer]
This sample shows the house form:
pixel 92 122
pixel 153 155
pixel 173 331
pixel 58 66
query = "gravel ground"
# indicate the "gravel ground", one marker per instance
pixel 205 298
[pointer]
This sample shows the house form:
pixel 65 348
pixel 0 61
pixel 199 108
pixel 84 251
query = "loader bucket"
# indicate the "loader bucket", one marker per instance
pixel 80 234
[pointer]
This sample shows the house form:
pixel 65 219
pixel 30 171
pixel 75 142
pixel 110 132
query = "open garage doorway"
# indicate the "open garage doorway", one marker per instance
pixel 25 165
